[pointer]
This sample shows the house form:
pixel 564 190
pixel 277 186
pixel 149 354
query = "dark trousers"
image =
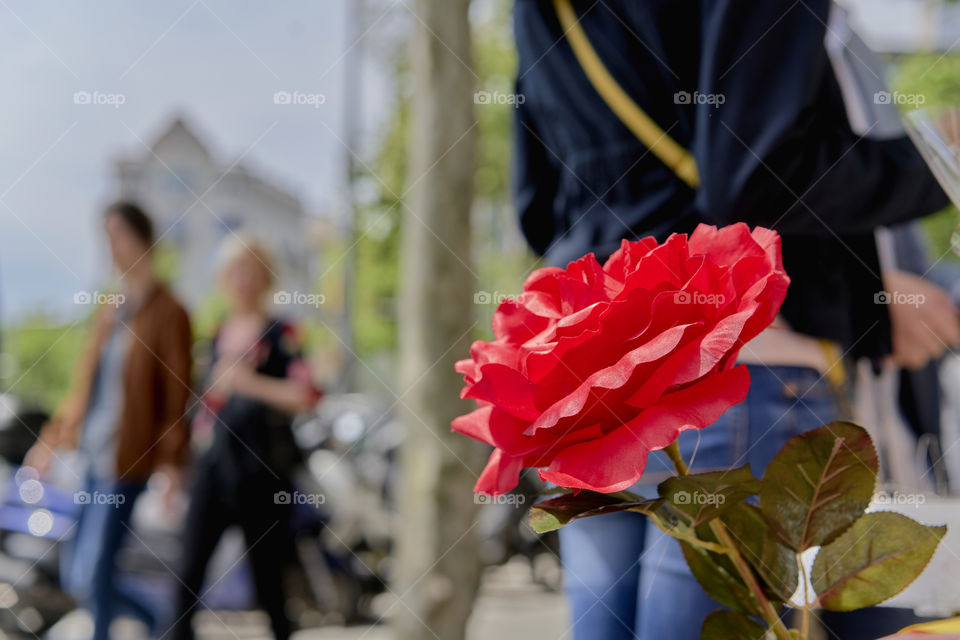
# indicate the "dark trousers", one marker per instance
pixel 264 520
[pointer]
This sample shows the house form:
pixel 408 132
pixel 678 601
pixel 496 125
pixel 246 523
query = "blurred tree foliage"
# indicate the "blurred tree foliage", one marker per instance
pixel 501 258
pixel 39 355
pixel 936 77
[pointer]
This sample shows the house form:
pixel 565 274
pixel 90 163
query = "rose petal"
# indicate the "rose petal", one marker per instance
pixel 475 424
pixel 506 387
pixel 501 474
pixel 617 461
pixel 693 360
pixel 725 246
pixel 611 377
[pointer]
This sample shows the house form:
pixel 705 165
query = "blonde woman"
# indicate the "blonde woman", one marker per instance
pixel 257 381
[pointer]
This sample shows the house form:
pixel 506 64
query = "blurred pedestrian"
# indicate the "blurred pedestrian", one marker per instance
pixel 257 381
pixel 647 118
pixel 125 412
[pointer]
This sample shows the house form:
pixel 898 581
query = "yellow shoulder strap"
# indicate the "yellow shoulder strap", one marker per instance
pixel 836 372
pixel 680 161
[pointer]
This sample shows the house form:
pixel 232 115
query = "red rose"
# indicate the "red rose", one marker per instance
pixel 595 366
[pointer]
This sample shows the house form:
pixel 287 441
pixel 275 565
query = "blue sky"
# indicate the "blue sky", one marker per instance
pixel 218 62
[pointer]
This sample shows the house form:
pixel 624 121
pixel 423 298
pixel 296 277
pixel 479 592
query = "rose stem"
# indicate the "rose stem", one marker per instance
pixel 769 613
pixel 805 615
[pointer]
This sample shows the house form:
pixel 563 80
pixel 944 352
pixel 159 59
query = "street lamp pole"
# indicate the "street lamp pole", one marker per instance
pixel 351 105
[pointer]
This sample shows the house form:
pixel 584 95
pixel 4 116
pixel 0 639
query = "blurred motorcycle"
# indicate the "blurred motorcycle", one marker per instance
pixel 343 509
pixel 344 538
pixel 351 445
pixel 34 516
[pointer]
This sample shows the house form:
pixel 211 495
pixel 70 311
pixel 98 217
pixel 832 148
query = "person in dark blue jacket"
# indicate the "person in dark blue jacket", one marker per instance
pixel 748 90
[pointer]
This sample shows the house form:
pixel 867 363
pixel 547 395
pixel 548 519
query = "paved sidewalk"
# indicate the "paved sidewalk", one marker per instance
pixel 510 607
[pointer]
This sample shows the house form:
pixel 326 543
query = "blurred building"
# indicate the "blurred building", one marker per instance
pixel 198 200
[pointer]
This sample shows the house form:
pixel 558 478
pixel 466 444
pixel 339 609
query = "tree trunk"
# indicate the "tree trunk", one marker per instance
pixel 437 567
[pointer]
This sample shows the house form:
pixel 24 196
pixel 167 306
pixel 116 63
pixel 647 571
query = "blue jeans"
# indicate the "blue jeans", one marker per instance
pixel 625 579
pixel 89 567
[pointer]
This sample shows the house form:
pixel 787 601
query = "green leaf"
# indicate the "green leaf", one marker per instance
pixel 719 579
pixel 819 483
pixel 699 498
pixel 553 514
pixel 729 625
pixel 873 560
pixel 775 564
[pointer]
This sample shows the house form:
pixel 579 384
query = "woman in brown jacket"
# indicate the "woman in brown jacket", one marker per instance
pixel 125 412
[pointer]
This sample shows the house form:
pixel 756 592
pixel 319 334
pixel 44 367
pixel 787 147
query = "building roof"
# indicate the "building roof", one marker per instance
pixel 179 139
pixel 182 135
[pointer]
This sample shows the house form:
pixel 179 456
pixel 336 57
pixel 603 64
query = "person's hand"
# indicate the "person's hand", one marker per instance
pixel 231 377
pixel 948 125
pixel 40 457
pixel 924 321
pixel 171 482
